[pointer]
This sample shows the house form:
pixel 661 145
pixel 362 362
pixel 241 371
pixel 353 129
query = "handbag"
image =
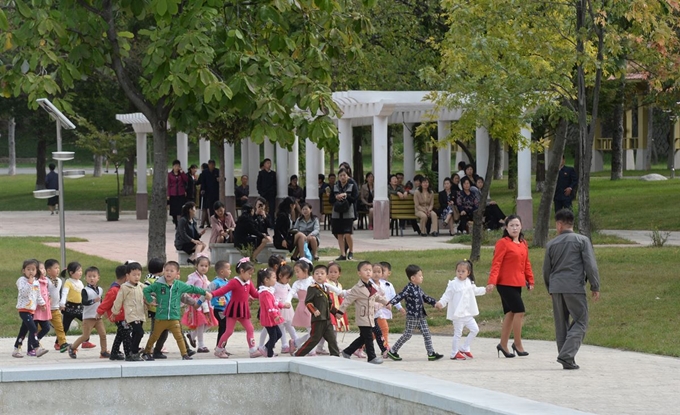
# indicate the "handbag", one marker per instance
pixel 341 206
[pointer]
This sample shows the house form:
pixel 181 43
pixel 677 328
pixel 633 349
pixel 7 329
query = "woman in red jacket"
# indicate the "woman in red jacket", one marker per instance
pixel 510 270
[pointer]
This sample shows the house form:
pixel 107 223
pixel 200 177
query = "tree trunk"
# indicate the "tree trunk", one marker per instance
pixel 223 167
pixel 467 153
pixel 129 174
pixel 617 137
pixel 540 172
pixel 97 166
pixel 478 224
pixel 11 130
pixel 650 137
pixel 158 213
pixel 40 164
pixel 331 160
pixel 498 168
pixel 542 223
pixel 512 168
pixel 357 159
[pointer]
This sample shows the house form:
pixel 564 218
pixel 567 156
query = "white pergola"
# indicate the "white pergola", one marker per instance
pixel 359 108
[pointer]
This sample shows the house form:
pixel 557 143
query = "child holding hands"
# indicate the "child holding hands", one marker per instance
pixel 460 297
pixel 131 299
pixel 270 314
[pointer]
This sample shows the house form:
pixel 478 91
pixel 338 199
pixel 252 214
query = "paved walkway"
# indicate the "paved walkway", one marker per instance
pixel 610 381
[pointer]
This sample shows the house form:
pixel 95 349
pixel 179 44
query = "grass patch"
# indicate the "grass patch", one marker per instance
pixel 490 238
pixel 639 286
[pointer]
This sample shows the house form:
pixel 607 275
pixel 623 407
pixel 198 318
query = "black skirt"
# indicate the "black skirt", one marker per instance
pixel 189 247
pixel 176 203
pixel 342 226
pixel 511 297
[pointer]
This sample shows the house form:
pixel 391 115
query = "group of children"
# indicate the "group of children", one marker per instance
pixel 200 304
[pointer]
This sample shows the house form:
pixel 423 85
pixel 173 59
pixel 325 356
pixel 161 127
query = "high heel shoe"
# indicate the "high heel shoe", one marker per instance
pixel 501 350
pixel 518 352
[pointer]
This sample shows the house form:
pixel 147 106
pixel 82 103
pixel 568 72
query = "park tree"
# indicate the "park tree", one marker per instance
pixel 503 60
pixel 182 62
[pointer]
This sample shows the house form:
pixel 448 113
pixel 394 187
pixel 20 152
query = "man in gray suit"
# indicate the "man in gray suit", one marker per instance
pixel 569 263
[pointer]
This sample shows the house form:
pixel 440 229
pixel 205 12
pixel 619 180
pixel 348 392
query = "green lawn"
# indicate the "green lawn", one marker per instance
pixel 638 309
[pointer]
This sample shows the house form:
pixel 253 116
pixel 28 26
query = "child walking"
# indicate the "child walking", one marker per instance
pixel 201 318
pixel 460 297
pixel 415 313
pixel 270 314
pixel 91 298
pixel 283 293
pixel 384 314
pixel 223 271
pixel 155 269
pixel 52 269
pixel 238 309
pixel 123 330
pixel 318 303
pixel 43 315
pixel 130 298
pixel 28 299
pixel 71 302
pixel 364 296
pixel 302 317
pixel 168 291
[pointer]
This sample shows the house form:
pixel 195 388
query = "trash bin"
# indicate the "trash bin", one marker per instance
pixel 112 208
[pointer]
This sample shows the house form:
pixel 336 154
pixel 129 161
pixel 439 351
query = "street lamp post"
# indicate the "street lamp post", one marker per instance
pixel 60 156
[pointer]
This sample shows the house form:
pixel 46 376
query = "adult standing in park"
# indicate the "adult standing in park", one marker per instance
pixel 567 181
pixel 191 183
pixel 266 186
pixel 570 262
pixel 187 237
pixel 52 183
pixel 510 271
pixel 210 191
pixel 241 192
pixel 177 182
pixel 343 197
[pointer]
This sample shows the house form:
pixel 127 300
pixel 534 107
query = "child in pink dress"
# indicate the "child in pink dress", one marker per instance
pixel 284 293
pixel 238 309
pixel 270 309
pixel 201 318
pixel 302 317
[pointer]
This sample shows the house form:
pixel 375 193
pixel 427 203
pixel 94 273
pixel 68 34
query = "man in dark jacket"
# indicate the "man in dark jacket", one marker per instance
pixel 266 186
pixel 52 183
pixel 210 191
pixel 567 181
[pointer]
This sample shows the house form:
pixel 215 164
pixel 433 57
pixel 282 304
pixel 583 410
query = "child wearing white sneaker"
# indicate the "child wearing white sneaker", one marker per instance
pixel 28 299
pixel 460 297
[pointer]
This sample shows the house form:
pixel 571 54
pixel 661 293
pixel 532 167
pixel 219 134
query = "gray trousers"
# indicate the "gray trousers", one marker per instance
pixel 569 334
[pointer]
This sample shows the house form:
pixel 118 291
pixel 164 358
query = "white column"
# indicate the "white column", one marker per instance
pixel 229 177
pixel 269 152
pixel 183 149
pixel 443 130
pixel 524 201
pixel 312 170
pixel 253 166
pixel 381 202
pixel 245 166
pixel 409 152
pixel 203 151
pixel 142 201
pixel 482 146
pixel 345 136
pixel 294 160
pixel 281 172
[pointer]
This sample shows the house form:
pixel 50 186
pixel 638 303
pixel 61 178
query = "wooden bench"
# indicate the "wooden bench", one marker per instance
pixel 326 210
pixel 224 252
pixel 405 209
pixel 401 210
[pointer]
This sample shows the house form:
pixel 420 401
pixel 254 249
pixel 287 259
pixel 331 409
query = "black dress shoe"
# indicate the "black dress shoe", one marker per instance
pixel 518 353
pixel 568 365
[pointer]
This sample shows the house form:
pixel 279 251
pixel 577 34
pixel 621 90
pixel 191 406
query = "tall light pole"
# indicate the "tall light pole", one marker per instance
pixel 60 156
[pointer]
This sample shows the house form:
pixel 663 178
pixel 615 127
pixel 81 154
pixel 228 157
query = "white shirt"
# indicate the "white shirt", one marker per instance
pixel 389 293
pixel 460 296
pixel 298 285
pixel 55 292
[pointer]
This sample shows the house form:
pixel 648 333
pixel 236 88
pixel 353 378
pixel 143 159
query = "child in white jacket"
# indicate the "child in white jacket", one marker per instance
pixel 460 297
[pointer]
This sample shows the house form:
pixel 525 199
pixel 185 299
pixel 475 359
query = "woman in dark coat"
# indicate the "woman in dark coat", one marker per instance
pixel 187 236
pixel 342 219
pixel 247 232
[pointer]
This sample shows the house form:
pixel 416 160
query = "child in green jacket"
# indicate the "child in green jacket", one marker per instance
pixel 168 291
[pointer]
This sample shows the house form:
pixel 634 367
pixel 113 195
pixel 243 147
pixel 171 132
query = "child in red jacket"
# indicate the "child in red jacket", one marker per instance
pixel 124 332
pixel 270 316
